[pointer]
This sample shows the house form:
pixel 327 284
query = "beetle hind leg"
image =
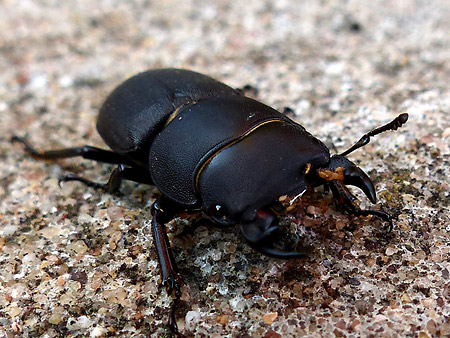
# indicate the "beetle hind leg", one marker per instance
pixel 87 152
pixel 127 169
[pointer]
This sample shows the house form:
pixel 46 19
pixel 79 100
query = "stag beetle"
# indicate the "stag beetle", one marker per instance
pixel 206 146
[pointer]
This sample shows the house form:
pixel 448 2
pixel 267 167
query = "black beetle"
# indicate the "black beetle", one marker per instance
pixel 208 147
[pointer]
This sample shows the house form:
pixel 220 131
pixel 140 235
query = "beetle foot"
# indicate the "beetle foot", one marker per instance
pixel 173 284
pixel 28 147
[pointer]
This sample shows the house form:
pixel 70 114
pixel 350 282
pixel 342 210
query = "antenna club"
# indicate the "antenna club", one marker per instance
pixel 399 121
pixel 402 118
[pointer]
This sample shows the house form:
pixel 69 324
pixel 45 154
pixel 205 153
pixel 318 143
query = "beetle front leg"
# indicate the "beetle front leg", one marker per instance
pixel 163 211
pixel 258 235
pixel 347 201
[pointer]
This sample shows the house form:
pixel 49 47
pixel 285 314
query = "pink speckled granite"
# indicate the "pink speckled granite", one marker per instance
pixel 75 262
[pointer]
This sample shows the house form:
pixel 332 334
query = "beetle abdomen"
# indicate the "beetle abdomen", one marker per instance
pixel 139 107
pixel 196 133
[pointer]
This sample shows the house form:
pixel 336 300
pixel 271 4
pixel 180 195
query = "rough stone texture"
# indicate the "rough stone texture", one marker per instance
pixel 76 262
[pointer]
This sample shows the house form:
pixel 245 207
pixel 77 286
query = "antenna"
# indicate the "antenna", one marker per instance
pixel 365 139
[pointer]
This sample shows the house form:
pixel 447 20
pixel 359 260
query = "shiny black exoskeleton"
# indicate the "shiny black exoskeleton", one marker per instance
pixel 207 146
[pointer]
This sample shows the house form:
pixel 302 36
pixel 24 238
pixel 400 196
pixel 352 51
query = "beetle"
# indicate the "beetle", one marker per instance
pixel 206 146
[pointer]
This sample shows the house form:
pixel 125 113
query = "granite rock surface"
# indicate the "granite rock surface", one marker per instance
pixel 76 262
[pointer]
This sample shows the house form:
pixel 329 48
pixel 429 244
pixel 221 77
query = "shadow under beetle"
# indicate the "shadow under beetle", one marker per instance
pixel 206 146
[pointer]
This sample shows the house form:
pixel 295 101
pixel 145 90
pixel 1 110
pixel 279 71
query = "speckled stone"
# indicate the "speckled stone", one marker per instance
pixel 76 262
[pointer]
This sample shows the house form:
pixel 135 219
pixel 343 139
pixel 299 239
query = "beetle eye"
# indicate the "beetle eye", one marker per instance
pixel 219 214
pixel 217 211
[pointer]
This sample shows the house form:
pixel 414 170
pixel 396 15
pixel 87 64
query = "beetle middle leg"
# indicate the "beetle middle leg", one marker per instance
pixel 122 172
pixel 163 211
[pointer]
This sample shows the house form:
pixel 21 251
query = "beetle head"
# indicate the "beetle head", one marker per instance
pixel 342 169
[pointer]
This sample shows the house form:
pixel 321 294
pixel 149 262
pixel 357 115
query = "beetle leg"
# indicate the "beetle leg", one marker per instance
pixel 347 200
pixel 122 172
pixel 258 235
pixel 170 276
pixel 248 90
pixel 87 152
pixel 383 215
pixel 288 111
